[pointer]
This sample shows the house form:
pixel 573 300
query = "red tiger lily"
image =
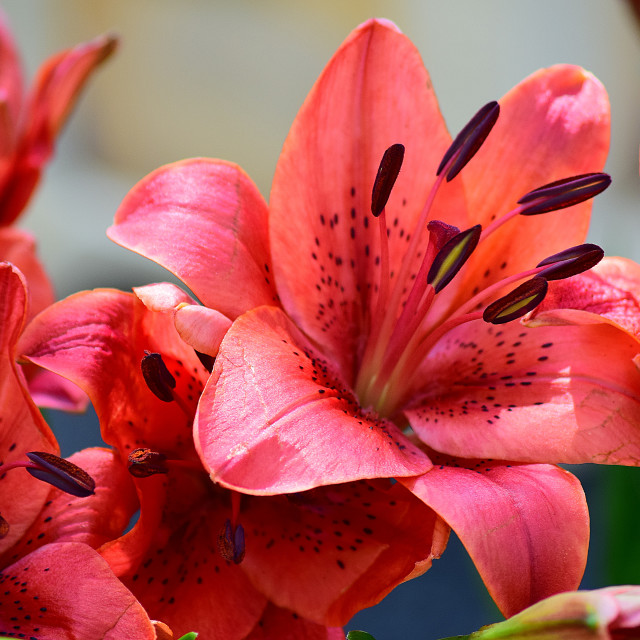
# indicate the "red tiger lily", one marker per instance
pixel 323 370
pixel 310 559
pixel 49 571
pixel 54 582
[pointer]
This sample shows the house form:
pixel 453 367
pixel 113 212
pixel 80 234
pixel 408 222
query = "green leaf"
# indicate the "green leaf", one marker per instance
pixel 192 635
pixel 623 553
pixel 359 635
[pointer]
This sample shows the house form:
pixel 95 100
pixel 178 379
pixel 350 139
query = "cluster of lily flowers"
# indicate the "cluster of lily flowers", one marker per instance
pixel 408 339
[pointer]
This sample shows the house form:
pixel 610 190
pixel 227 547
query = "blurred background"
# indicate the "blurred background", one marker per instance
pixel 226 78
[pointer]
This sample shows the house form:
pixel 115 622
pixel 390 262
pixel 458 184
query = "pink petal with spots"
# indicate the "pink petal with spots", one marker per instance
pixel 554 124
pixel 205 221
pixel 71 593
pixel 94 520
pixel 567 394
pixel 23 428
pixel 610 292
pixel 97 339
pixel 374 92
pixel 333 551
pixel 276 417
pixel 170 559
pixel 525 527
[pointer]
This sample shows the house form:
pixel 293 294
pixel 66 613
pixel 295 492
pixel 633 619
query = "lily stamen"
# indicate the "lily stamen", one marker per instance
pixel 161 382
pixel 564 264
pixel 469 140
pixel 56 471
pixel 231 542
pixel 395 321
pixel 144 463
pixel 554 196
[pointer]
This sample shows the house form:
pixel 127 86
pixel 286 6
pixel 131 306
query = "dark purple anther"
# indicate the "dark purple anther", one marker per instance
pixel 515 304
pixel 61 473
pixel 143 463
pixel 385 179
pixel 571 262
pixel 469 140
pixel 157 376
pixel 564 193
pixel 231 543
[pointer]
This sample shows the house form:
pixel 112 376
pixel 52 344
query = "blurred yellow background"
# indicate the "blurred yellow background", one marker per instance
pixel 225 79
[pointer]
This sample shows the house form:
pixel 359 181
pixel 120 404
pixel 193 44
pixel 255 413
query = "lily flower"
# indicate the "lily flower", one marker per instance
pixel 360 311
pixel 29 125
pixel 202 557
pixel 54 571
pixel 611 613
pixel 31 122
pixel 49 569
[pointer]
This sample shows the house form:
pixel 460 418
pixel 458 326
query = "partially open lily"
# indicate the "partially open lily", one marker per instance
pixel 612 613
pixel 350 324
pixel 30 122
pixel 302 563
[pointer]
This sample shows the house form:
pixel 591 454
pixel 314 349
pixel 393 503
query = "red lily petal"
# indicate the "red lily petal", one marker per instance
pixel 200 327
pixel 286 625
pixel 67 590
pixel 525 527
pixel 97 340
pixel 19 248
pixel 552 125
pixel 93 520
pixel 10 91
pixel 275 417
pixel 374 92
pixel 205 221
pixel 610 292
pixel 170 560
pixel 47 390
pixel 51 391
pixel 57 87
pixel 514 393
pixel 23 428
pixel 163 296
pixel 356 541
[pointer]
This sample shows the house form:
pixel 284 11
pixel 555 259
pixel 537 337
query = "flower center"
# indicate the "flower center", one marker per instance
pixel 402 333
